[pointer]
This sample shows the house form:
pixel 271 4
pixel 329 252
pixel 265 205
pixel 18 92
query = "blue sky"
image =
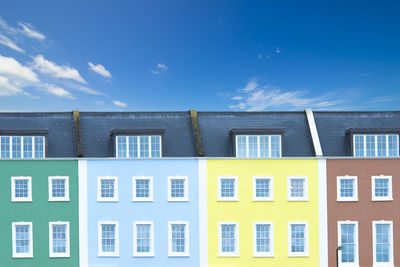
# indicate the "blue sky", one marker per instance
pixel 205 55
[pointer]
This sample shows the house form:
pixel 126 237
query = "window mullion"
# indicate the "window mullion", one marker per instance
pixel 376 145
pixel 387 145
pixel 127 146
pixel 149 146
pixel 33 147
pixel 138 145
pixel 247 146
pixel 365 145
pixel 258 146
pixel 11 156
pixel 22 147
pixel 269 146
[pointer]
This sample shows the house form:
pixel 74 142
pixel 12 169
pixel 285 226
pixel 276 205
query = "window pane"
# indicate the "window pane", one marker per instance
pixel 21 188
pixel 264 147
pixel 275 146
pixel 241 146
pixel 297 187
pixel 253 149
pixel 133 146
pixel 155 146
pixel 381 187
pixel 263 237
pixel 28 147
pixel 142 188
pixel 297 237
pixel 370 139
pixel 228 237
pixel 348 242
pixel 22 238
pixel 144 146
pixel 381 140
pixel 121 141
pixel 108 237
pixel 262 187
pixel 382 245
pixel 359 145
pixel 39 146
pixel 347 187
pixel 5 146
pixel 178 188
pixel 107 188
pixel 393 145
pixel 178 237
pixel 143 237
pixel 58 188
pixel 16 147
pixel 59 238
pixel 227 187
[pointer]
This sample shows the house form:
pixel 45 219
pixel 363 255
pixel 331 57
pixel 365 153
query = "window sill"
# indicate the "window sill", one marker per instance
pixel 22 200
pixel 383 264
pixel 263 256
pixel 347 200
pixel 178 200
pixel 230 255
pixel 228 199
pixel 143 255
pixel 298 255
pixel 59 256
pixel 142 200
pixel 59 200
pixel 108 255
pixel 107 200
pixel 177 255
pixel 22 256
pixel 263 200
pixel 382 199
pixel 298 199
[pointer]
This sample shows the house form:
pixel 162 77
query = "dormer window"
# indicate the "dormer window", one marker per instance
pixel 376 145
pixel 134 144
pixel 257 143
pixel 17 147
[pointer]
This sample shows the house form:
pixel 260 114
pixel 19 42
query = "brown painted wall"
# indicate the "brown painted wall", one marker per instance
pixel 364 210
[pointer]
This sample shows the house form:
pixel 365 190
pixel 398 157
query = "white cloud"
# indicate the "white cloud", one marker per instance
pixel 250 86
pixel 161 67
pixel 48 67
pixel 120 104
pixel 57 91
pixel 9 67
pixel 277 50
pixel 8 89
pixel 9 43
pixel 258 98
pixel 99 69
pixel 259 56
pixel 30 31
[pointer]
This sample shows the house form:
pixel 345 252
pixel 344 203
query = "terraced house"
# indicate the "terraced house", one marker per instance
pixel 200 189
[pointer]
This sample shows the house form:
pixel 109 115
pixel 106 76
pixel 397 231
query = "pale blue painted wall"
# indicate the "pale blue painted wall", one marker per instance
pixel 160 211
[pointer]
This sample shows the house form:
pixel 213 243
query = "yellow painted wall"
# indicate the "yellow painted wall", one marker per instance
pixel 246 211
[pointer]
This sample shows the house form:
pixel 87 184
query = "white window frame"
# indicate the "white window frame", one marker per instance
pixel 66 198
pixel 271 188
pixel 236 191
pixel 21 199
pixel 306 241
pixel 355 195
pixel 305 195
pixel 391 255
pixel 270 253
pixel 356 256
pixel 65 254
pixel 14 247
pixel 178 254
pixel 107 199
pixel 258 144
pixel 127 145
pixel 99 239
pixel 142 199
pixel 143 254
pixel 228 254
pixel 390 192
pixel 22 145
pixel 376 145
pixel 186 187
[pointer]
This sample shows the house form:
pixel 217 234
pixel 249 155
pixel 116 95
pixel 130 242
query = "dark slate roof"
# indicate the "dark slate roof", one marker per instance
pixel 58 125
pixel 215 128
pixel 332 127
pixel 96 127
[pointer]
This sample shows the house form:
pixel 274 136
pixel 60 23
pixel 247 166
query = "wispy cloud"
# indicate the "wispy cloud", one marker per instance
pixel 9 67
pixel 119 104
pixel 4 40
pixel 8 89
pixel 57 91
pixel 255 97
pixel 50 68
pixel 99 69
pixel 161 67
pixel 29 31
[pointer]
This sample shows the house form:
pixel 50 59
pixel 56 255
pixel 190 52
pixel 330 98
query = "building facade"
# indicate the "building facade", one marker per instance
pixel 200 189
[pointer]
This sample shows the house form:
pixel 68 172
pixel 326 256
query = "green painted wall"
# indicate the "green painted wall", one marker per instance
pixel 39 212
